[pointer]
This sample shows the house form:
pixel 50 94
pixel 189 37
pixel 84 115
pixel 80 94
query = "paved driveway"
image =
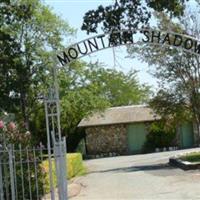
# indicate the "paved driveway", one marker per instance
pixel 138 177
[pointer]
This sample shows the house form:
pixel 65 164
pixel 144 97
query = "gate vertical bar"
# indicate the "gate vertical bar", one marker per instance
pixel 12 181
pixel 15 173
pixel 49 152
pixel 64 167
pixel 43 182
pixel 29 174
pixel 22 171
pixel 58 174
pixel 35 173
pixel 6 175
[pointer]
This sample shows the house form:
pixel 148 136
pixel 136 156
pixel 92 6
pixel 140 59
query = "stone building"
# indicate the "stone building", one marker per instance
pixel 123 130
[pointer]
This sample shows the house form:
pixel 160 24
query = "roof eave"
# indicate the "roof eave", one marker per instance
pixel 117 123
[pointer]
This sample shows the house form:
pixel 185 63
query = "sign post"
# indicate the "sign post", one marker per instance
pixel 52 114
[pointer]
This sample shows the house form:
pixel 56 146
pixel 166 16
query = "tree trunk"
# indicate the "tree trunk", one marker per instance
pixel 24 110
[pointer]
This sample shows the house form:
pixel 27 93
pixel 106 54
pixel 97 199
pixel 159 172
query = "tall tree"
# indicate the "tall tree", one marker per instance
pixel 117 87
pixel 30 33
pixel 178 72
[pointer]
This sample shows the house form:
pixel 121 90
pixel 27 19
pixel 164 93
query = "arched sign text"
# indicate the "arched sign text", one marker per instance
pixel 128 37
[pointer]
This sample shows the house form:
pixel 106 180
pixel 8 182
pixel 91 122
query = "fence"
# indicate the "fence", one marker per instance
pixel 23 177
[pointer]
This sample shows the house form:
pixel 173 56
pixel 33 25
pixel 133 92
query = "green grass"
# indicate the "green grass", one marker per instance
pixel 75 168
pixel 191 157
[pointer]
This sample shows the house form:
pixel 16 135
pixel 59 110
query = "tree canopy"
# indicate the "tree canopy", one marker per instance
pixel 129 14
pixel 177 71
pixel 29 34
pixel 86 88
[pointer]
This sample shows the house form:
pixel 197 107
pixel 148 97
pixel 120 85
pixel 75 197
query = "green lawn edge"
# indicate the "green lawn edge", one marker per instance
pixel 191 157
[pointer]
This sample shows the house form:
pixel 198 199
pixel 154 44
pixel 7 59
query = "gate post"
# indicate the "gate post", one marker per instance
pixel 52 114
pixel 61 168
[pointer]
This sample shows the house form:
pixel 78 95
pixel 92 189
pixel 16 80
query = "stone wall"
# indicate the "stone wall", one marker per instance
pixel 106 139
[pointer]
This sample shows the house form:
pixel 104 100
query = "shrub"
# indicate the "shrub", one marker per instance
pixel 11 135
pixel 81 148
pixel 75 167
pixel 191 157
pixel 159 136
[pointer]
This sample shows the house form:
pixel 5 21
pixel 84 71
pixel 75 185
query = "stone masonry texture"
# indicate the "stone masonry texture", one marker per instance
pixel 107 139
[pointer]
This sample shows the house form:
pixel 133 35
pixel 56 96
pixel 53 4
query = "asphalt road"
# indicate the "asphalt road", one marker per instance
pixel 138 177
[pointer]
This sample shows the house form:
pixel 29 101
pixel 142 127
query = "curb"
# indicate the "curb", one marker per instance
pixel 185 165
pixel 73 189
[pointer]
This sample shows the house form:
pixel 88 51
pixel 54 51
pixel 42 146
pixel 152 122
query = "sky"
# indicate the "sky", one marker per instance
pixel 73 11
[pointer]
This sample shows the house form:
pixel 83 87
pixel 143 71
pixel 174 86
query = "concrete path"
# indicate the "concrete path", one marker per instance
pixel 138 177
pixel 73 190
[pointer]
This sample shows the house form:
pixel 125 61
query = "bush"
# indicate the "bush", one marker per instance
pixel 75 167
pixel 191 157
pixel 11 135
pixel 159 136
pixel 81 148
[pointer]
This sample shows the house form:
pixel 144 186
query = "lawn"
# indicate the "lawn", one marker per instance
pixel 191 157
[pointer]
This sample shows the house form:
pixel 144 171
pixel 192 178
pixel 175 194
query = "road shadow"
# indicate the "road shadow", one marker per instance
pixel 163 169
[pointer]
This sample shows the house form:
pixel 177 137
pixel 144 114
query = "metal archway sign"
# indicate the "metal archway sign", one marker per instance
pixel 128 37
pixel 87 47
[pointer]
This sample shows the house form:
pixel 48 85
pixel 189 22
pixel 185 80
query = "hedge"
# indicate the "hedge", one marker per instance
pixel 75 167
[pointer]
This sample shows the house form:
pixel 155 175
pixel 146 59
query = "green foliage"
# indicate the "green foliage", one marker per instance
pixel 160 135
pixel 177 71
pixel 191 157
pixel 121 89
pixel 11 132
pixel 174 7
pixel 29 35
pixel 29 173
pixel 87 88
pixel 81 148
pixel 128 14
pixel 171 105
pixel 84 89
pixel 38 125
pixel 75 167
